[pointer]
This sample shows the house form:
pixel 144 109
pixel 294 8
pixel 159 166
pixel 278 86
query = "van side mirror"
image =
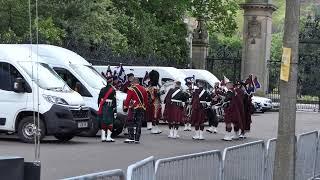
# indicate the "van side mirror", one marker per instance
pixel 18 85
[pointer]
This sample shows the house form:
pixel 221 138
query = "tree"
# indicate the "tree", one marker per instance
pixel 284 165
pixel 219 15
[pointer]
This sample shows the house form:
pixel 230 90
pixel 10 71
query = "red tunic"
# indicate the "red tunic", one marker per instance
pixel 136 98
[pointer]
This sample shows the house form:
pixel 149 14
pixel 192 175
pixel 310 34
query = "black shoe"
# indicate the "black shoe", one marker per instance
pixel 209 131
pixel 137 142
pixel 129 141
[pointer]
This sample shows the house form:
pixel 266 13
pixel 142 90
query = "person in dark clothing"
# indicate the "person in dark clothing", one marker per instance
pixel 175 100
pixel 200 103
pixel 216 96
pixel 137 100
pixel 107 110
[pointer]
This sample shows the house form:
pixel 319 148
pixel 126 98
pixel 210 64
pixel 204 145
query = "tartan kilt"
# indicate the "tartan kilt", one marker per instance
pixel 198 116
pixel 175 114
pixel 107 116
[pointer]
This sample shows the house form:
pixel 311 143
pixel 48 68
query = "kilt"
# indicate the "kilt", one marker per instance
pixel 175 114
pixel 232 114
pixel 198 116
pixel 107 116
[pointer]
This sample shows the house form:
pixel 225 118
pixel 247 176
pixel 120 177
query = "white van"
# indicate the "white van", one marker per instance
pixel 165 73
pixel 62 111
pixel 262 104
pixel 78 72
pixel 201 74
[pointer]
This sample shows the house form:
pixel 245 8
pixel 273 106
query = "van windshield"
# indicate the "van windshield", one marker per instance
pixel 90 76
pixel 47 77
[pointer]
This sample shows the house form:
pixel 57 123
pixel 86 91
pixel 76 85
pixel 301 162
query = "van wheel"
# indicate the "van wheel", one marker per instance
pixel 64 137
pixel 26 129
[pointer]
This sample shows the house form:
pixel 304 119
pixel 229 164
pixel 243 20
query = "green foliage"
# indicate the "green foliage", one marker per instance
pixel 276 47
pixel 96 29
pixel 219 14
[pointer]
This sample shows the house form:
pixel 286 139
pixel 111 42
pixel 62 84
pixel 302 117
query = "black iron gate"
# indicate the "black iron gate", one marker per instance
pixel 308 88
pixel 225 61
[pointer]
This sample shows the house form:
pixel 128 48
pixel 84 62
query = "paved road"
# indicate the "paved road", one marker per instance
pixel 88 155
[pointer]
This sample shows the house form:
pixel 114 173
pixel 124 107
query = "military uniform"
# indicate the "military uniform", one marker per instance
pixel 154 111
pixel 175 101
pixel 107 110
pixel 137 98
pixel 188 109
pixel 231 115
pixel 212 112
pixel 200 103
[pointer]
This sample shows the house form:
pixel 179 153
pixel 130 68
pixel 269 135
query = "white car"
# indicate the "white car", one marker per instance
pixel 262 104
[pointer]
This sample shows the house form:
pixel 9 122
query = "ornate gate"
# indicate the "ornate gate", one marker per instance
pixel 225 61
pixel 308 89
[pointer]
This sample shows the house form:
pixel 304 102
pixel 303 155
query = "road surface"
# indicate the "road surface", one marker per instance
pixel 87 155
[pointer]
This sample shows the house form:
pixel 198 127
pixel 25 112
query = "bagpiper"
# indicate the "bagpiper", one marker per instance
pixel 231 113
pixel 217 96
pixel 188 106
pixel 200 102
pixel 137 99
pixel 174 102
pixel 154 111
pixel 107 108
pixel 249 86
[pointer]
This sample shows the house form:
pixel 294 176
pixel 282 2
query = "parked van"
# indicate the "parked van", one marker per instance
pixel 62 111
pixel 83 78
pixel 165 73
pixel 201 74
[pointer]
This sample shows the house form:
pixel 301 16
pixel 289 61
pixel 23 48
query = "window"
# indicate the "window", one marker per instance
pixel 72 81
pixel 8 74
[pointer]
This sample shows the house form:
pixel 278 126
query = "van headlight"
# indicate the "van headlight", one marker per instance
pixel 55 100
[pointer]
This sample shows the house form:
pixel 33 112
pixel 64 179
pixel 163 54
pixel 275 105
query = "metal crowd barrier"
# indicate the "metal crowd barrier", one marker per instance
pixel 270 158
pixel 250 161
pixel 245 161
pixel 142 170
pixel 306 155
pixel 200 166
pixel 116 174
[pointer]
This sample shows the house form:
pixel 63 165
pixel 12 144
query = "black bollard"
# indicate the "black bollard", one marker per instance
pixel 11 168
pixel 32 171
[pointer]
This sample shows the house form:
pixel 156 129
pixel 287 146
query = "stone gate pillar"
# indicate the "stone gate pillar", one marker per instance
pixel 257 29
pixel 200 45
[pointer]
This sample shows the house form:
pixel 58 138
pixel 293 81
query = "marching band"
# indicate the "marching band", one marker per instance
pixel 194 106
